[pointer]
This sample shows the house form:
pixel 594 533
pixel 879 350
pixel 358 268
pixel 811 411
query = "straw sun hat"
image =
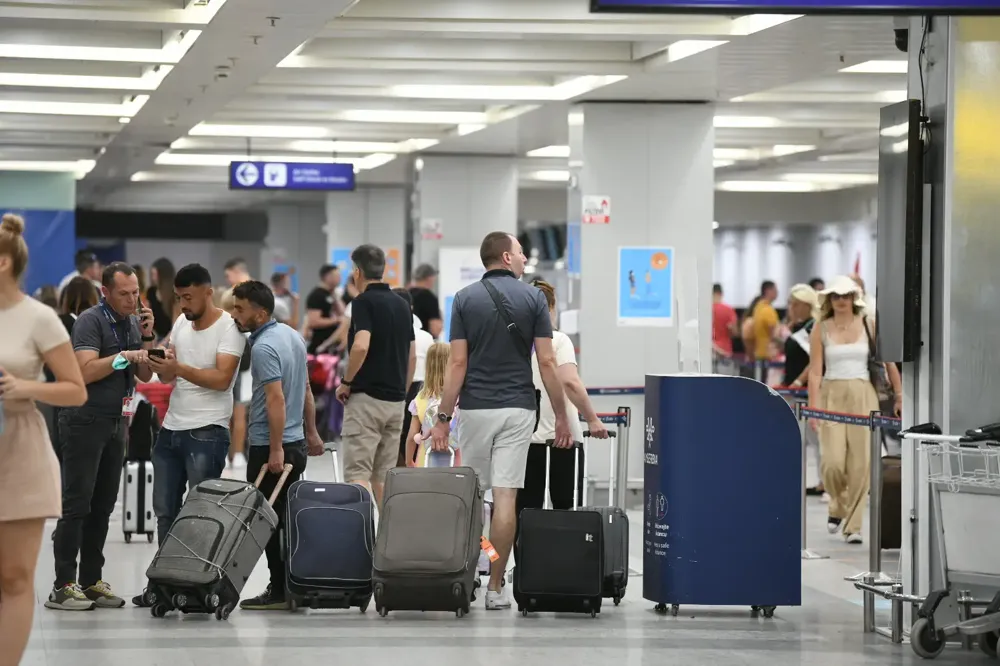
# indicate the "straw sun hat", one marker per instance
pixel 843 285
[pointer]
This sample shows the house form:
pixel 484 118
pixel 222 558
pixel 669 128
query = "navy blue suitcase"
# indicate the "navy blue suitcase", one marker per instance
pixel 329 537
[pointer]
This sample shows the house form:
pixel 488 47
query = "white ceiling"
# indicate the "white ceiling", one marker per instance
pixel 108 86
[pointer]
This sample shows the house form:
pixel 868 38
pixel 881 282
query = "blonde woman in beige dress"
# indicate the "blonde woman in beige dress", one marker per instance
pixel 30 488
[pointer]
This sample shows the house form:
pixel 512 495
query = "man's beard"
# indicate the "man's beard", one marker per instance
pixel 246 328
pixel 194 316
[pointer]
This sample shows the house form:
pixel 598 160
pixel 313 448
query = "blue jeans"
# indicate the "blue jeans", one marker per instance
pixel 182 459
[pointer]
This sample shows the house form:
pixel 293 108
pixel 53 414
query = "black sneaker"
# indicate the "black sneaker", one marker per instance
pixel 143 600
pixel 269 600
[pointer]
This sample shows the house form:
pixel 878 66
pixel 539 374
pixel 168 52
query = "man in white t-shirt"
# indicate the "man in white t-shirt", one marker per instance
pixel 205 352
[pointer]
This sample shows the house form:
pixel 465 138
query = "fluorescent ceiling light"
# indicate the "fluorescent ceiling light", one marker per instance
pixel 748 25
pixel 412 117
pixel 562 91
pixel 891 96
pixel 900 146
pixel 896 130
pixel 260 131
pixel 766 186
pixel 127 108
pixel 414 145
pixel 734 153
pixel 373 161
pixel 150 80
pixel 783 149
pixel 168 158
pixel 549 151
pixel 124 120
pixel 878 67
pixel 170 54
pixel 746 122
pixel 689 47
pixel 833 178
pixel 552 176
pixel 79 167
pixel 864 156
pixel 470 128
pixel 314 146
pixel 718 164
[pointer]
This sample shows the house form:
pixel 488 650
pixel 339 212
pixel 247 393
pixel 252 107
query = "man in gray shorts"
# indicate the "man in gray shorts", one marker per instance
pixel 494 324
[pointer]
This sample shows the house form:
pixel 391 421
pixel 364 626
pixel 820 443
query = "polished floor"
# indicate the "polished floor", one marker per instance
pixel 826 630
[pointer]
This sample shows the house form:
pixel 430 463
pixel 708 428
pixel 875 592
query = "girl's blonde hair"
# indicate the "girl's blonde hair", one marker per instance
pixel 436 368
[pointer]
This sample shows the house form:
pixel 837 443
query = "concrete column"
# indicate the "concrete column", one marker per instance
pixel 652 163
pixel 469 196
pixel 47 202
pixel 370 215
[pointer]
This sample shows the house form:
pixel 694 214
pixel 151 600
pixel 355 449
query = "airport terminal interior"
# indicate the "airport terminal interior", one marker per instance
pixel 677 171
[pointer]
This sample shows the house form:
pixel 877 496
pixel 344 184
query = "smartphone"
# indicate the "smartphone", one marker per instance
pixel 158 353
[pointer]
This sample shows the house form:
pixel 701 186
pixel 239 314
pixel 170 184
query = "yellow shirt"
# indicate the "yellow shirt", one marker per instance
pixel 765 318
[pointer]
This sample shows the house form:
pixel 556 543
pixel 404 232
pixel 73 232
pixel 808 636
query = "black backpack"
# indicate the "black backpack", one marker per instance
pixel 142 432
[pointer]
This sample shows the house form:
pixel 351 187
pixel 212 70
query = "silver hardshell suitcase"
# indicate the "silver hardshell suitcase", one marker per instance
pixel 137 500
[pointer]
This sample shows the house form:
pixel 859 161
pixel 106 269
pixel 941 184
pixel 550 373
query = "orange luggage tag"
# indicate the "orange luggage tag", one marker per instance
pixel 488 548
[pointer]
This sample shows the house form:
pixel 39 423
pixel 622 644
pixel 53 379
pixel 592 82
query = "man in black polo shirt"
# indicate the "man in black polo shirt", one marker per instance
pixel 425 301
pixel 382 360
pixel 111 341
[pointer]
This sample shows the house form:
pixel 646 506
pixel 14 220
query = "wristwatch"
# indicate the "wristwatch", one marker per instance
pixel 444 418
pixel 150 338
pixel 345 382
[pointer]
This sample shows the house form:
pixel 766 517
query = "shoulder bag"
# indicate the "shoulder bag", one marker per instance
pixel 878 376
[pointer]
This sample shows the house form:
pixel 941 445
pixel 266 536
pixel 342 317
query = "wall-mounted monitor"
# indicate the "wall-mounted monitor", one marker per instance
pixel 885 7
pixel 900 232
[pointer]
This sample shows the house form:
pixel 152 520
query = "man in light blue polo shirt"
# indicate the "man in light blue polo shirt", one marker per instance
pixel 282 426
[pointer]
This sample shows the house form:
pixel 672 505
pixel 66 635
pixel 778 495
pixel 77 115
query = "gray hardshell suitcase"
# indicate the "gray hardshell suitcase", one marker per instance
pixel 212 547
pixel 428 543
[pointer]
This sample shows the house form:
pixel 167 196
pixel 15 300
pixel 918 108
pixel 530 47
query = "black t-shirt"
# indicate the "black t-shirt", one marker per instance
pixel 387 317
pixel 797 356
pixel 425 306
pixel 163 319
pixel 322 300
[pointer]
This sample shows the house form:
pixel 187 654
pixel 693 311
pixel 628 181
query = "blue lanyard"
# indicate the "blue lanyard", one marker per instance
pixel 114 332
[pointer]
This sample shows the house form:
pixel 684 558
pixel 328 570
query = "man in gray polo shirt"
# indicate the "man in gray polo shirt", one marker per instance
pixel 494 325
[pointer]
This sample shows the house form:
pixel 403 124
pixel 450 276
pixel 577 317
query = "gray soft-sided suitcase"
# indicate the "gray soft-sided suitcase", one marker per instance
pixel 427 548
pixel 212 547
pixel 615 550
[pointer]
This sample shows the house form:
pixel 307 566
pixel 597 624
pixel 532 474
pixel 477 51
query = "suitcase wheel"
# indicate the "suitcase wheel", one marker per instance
pixel 593 613
pixel 383 611
pixel 293 605
pixel 617 600
pixel 212 602
pixel 128 537
pixel 222 612
pixel 158 610
pixel 149 538
pixel 364 604
pixel 524 612
pixel 460 612
pixel 179 601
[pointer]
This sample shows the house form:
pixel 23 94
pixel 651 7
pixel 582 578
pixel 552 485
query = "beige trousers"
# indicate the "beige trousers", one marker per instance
pixel 845 450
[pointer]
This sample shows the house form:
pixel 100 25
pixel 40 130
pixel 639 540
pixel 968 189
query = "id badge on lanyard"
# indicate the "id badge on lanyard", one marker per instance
pixel 129 402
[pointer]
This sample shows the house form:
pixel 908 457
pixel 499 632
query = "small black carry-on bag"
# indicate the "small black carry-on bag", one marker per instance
pixel 212 547
pixel 137 475
pixel 615 543
pixel 428 544
pixel 560 562
pixel 329 537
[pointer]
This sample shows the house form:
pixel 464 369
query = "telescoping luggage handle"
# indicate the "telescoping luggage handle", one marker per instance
pixel 428 450
pixel 277 488
pixel 577 446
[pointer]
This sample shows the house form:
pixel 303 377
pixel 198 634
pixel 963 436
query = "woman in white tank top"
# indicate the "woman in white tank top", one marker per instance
pixel 839 381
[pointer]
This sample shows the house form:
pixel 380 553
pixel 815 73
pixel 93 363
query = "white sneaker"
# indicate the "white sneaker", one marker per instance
pixel 239 461
pixel 497 600
pixel 854 538
pixel 825 499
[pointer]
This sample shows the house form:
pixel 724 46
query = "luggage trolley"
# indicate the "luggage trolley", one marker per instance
pixel 963 476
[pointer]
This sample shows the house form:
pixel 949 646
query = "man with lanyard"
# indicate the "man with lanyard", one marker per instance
pixel 111 341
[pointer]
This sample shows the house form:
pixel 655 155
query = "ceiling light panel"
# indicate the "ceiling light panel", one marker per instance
pixel 413 117
pixel 261 131
pixel 686 48
pixel 147 82
pixel 170 54
pixel 126 109
pixel 549 151
pixel 878 67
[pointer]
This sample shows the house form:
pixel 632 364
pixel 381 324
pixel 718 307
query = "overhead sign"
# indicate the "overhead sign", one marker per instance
pixel 290 176
pixel 596 210
pixel 889 7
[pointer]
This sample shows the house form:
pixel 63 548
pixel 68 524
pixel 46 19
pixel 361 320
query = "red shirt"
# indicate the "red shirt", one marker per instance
pixel 723 321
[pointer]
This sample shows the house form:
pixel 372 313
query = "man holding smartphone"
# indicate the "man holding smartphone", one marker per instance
pixel 205 352
pixel 111 341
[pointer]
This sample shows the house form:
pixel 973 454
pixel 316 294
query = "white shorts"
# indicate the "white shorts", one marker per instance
pixel 495 442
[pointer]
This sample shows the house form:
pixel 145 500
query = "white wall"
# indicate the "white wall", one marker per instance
pixel 213 255
pixel 295 236
pixel 787 254
pixel 541 204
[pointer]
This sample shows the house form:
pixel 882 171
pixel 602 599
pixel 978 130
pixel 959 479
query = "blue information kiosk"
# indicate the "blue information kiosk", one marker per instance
pixel 722 494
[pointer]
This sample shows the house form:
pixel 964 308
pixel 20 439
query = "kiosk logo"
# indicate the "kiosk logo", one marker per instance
pixel 275 175
pixel 247 174
pixel 651 458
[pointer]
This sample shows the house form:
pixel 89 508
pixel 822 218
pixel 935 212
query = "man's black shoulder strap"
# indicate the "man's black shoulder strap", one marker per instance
pixel 508 321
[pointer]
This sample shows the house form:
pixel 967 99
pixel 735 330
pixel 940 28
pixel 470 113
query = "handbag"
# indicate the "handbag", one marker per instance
pixel 879 377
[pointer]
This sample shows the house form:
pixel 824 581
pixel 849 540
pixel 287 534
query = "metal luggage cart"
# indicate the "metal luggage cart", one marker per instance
pixel 963 475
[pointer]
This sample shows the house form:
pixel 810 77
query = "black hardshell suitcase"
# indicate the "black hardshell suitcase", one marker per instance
pixel 560 562
pixel 428 543
pixel 615 550
pixel 212 547
pixel 329 536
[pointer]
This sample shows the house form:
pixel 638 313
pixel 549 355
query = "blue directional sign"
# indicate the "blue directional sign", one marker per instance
pixel 891 7
pixel 290 176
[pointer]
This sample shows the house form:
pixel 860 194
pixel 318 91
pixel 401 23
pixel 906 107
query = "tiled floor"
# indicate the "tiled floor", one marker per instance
pixel 826 630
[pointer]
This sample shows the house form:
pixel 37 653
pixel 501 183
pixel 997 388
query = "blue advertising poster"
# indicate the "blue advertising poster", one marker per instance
pixel 886 7
pixel 573 249
pixel 449 301
pixel 51 239
pixel 645 286
pixel 341 258
pixel 291 176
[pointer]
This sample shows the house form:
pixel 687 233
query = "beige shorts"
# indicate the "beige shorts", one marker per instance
pixel 370 438
pixel 495 443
